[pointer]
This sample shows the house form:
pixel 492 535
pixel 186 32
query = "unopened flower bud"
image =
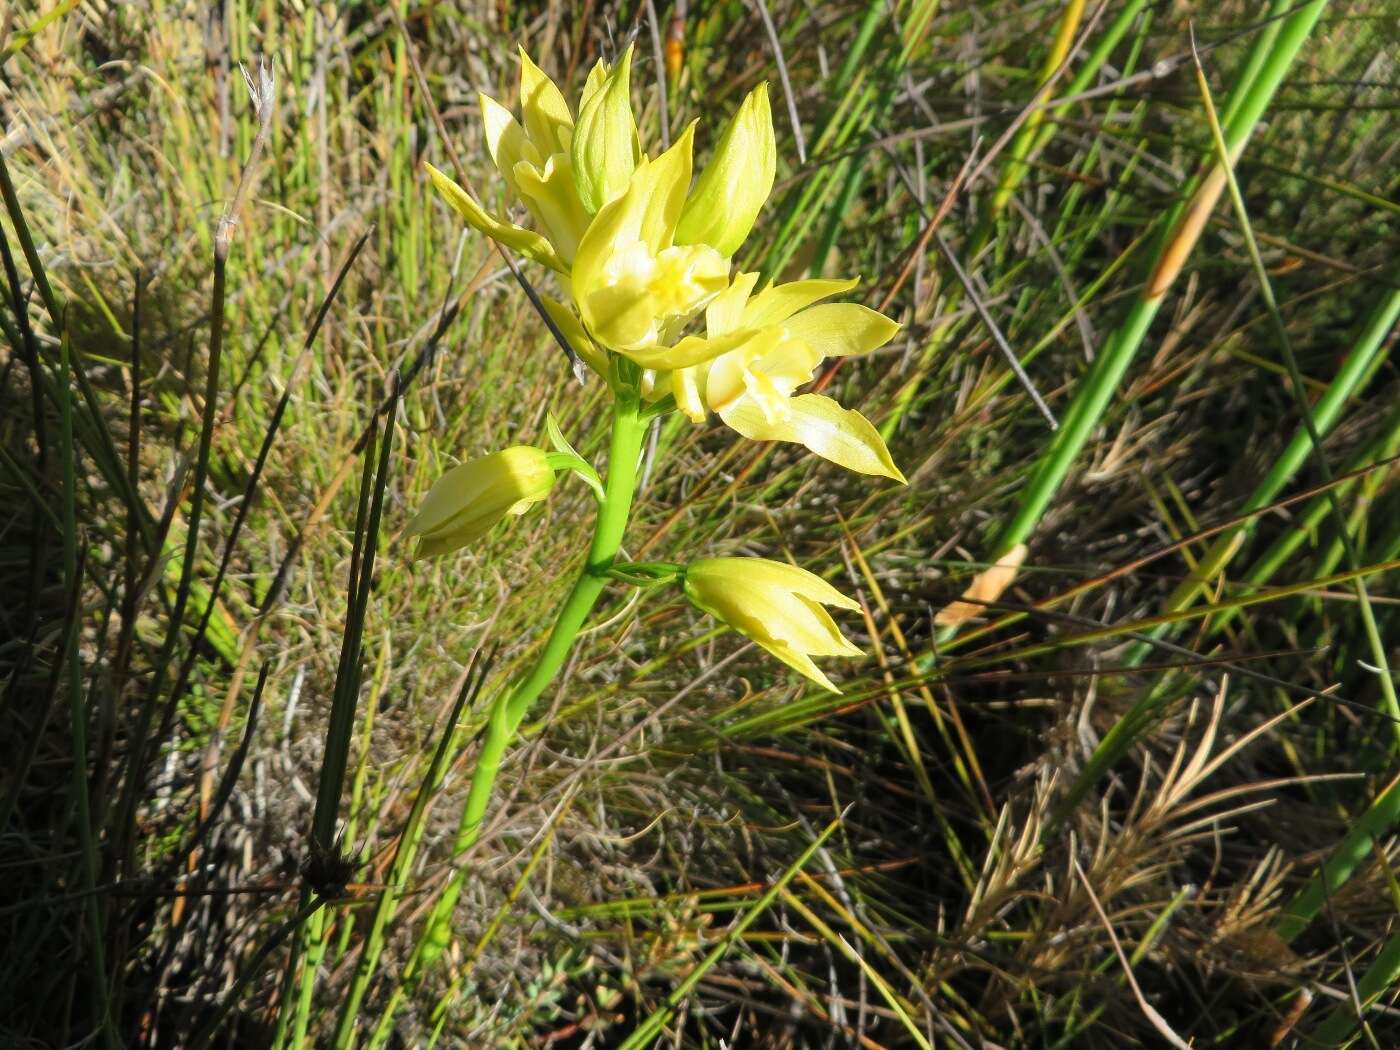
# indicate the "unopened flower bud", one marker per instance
pixel 776 605
pixel 605 146
pixel 722 208
pixel 470 499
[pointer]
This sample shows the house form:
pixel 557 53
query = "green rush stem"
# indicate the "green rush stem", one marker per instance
pixel 1342 1026
pixel 510 708
pixel 1295 375
pixel 87 840
pixel 1097 389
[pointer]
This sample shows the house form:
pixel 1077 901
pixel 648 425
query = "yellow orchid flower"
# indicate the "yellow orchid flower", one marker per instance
pixel 634 286
pixel 466 502
pixel 776 605
pixel 608 215
pixel 771 344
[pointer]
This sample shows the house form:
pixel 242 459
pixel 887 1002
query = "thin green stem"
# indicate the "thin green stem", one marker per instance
pixel 510 708
pixel 624 451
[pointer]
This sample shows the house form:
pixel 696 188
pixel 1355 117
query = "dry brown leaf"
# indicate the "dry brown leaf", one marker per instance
pixel 987 586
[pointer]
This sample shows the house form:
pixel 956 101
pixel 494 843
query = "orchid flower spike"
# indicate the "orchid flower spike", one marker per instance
pixel 642 253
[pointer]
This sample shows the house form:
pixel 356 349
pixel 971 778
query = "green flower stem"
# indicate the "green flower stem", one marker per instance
pixel 509 710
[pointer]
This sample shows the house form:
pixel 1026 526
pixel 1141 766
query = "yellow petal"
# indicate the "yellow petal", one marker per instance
pixel 643 216
pixel 645 213
pixel 798 580
pixel 841 435
pixel 726 311
pixel 692 350
pixel 662 192
pixel 552 198
pixel 771 400
pixel 505 139
pixel 789 363
pixel 837 644
pixel 547 117
pixel 727 380
pixel 526 242
pixel 778 302
pixel 841 329
pixel 774 604
pixel 605 139
pixel 781 616
pixel 736 182
pixel 635 299
pixel 799 662
pixel 685 388
pixel 596 76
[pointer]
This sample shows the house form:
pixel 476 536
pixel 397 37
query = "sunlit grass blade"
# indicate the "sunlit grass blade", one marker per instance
pixel 656 1022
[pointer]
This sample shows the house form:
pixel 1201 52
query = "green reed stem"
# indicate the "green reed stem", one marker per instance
pixel 1350 853
pixel 1390 701
pixel 1342 1026
pixel 1274 56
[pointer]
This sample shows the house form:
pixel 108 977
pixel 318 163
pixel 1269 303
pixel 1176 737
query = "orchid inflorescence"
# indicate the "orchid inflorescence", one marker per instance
pixel 643 250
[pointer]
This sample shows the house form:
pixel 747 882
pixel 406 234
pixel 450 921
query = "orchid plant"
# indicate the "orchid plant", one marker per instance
pixel 643 251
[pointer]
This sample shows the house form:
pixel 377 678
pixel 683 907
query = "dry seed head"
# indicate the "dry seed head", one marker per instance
pixel 262 91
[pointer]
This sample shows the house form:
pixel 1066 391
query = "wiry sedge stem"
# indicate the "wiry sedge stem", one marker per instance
pixel 510 708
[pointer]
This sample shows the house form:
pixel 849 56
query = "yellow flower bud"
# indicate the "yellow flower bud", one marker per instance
pixel 469 499
pixel 732 188
pixel 776 605
pixel 605 146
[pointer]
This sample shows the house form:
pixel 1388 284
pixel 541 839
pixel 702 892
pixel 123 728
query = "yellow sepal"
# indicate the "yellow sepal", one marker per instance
pixel 841 435
pixel 546 114
pixel 526 242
